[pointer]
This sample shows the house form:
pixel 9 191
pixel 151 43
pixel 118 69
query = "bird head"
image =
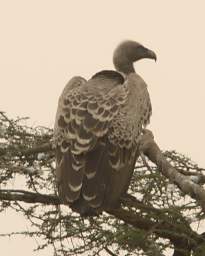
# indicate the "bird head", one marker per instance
pixel 127 53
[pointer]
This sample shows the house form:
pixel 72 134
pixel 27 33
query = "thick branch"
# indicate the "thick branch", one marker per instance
pixel 28 197
pixel 174 231
pixel 46 147
pixel 38 149
pixel 186 185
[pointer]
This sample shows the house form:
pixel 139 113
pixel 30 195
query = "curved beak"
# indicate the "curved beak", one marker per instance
pixel 151 55
pixel 143 52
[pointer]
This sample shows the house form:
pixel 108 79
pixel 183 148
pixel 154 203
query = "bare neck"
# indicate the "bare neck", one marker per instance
pixel 126 68
pixel 122 63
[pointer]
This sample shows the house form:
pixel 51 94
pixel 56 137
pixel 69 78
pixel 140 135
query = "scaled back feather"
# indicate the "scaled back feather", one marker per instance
pixel 97 130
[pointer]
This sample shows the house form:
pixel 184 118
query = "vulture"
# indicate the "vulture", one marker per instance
pixel 97 131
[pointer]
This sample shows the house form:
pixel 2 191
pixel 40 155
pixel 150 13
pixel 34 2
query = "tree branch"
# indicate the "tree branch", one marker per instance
pixel 28 197
pixel 38 149
pixel 165 228
pixel 185 184
pixel 46 147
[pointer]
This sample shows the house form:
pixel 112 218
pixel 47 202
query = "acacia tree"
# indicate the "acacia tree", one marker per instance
pixel 165 198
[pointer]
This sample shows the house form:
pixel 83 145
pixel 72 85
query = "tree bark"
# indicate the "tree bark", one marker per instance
pixel 185 184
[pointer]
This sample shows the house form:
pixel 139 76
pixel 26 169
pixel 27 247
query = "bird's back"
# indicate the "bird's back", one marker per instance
pixel 97 130
pixel 95 161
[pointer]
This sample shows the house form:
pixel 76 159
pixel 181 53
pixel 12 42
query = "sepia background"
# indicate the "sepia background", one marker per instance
pixel 43 43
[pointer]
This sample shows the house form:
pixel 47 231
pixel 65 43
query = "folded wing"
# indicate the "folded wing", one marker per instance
pixel 85 112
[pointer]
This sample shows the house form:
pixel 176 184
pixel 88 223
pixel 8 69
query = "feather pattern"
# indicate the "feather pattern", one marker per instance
pixel 96 135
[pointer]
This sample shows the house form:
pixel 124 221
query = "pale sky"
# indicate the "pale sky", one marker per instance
pixel 46 42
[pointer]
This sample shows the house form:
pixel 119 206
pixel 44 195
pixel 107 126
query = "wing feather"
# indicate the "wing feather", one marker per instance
pixel 86 109
pixel 97 128
pixel 83 118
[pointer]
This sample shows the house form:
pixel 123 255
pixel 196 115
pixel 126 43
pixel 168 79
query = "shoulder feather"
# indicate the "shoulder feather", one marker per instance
pixel 84 112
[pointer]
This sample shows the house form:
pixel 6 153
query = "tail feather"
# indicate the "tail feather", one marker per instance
pixel 118 175
pixel 106 181
pixel 92 182
pixel 70 176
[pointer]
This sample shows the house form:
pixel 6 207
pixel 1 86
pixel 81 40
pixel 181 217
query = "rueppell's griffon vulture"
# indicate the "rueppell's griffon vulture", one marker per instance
pixel 97 130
